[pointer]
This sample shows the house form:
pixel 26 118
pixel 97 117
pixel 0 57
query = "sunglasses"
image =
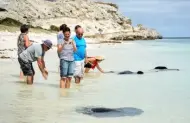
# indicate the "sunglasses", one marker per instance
pixel 80 34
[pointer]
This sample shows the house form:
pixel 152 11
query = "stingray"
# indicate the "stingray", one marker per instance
pixel 125 72
pixel 164 68
pixel 103 112
pixel 156 69
pixel 130 72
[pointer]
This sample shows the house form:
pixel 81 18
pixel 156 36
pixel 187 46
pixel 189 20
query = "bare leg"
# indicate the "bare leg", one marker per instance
pixel 87 70
pixel 21 75
pixel 63 82
pixel 77 80
pixel 30 80
pixel 68 83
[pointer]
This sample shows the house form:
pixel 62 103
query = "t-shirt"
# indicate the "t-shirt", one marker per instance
pixel 20 43
pixel 80 54
pixel 60 38
pixel 67 53
pixel 32 53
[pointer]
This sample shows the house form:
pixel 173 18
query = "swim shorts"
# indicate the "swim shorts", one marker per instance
pixel 66 68
pixel 26 68
pixel 79 69
pixel 88 65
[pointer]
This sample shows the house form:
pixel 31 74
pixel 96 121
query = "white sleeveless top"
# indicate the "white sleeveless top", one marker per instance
pixel 68 52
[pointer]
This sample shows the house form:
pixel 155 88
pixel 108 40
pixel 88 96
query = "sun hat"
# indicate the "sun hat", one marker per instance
pixel 48 43
pixel 100 58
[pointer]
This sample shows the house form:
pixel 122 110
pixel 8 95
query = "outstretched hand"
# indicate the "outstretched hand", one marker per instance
pixel 45 74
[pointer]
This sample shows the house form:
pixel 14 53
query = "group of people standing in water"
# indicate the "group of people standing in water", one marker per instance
pixel 71 51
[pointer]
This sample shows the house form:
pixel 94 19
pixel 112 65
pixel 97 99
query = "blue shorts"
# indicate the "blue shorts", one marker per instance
pixel 66 68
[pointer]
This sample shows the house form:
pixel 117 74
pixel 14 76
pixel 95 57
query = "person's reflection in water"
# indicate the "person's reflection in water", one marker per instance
pixel 77 87
pixel 31 104
pixel 92 75
pixel 22 104
pixel 64 93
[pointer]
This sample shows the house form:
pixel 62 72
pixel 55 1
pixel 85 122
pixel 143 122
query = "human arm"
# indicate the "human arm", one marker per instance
pixel 59 42
pixel 41 65
pixel 39 55
pixel 27 42
pixel 86 59
pixel 99 68
pixel 60 47
pixel 32 41
pixel 74 46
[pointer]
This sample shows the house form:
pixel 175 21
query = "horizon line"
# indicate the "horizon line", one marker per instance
pixel 170 37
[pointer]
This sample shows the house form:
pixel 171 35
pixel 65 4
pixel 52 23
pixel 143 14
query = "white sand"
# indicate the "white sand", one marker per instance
pixel 8 42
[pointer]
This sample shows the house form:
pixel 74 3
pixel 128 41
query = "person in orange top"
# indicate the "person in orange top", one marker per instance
pixel 92 63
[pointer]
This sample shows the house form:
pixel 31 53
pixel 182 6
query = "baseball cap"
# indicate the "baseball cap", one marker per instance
pixel 48 43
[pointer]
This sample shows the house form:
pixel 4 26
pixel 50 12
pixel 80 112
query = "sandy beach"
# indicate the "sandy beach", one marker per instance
pixel 8 41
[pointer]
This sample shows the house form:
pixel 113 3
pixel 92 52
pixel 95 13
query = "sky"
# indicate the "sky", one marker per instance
pixel 171 18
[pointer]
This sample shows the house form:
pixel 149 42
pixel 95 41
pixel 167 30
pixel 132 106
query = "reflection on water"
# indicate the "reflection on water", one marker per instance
pixel 163 96
pixel 93 75
pixel 64 93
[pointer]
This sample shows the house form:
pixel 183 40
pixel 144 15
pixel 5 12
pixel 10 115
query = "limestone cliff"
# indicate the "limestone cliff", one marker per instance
pixel 95 17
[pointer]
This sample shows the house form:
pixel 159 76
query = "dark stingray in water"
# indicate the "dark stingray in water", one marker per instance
pixel 130 72
pixel 158 68
pixel 102 112
pixel 126 72
pixel 164 68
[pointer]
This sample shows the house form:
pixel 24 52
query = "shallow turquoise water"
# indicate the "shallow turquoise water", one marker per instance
pixel 164 96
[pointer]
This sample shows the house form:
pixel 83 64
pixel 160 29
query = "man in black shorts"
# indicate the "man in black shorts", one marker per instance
pixel 34 53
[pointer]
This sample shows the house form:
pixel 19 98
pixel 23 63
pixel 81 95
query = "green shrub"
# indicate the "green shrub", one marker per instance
pixel 10 22
pixel 54 28
pixel 139 25
pixel 129 22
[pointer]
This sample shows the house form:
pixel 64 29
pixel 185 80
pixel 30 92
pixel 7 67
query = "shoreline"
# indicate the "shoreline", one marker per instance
pixel 102 21
pixel 9 34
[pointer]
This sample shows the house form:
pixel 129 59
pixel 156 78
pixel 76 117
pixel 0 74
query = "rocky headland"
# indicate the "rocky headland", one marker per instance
pixel 102 22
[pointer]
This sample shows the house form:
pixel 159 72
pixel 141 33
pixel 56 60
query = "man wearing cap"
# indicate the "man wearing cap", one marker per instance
pixel 34 53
